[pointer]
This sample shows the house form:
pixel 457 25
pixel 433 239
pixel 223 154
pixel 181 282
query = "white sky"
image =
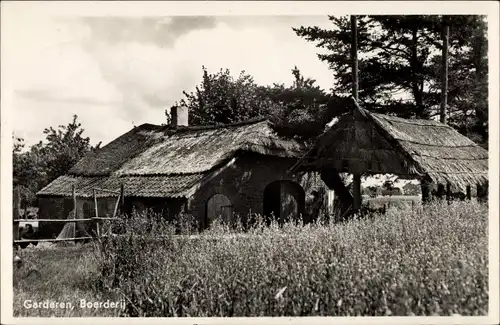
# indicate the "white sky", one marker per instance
pixel 117 72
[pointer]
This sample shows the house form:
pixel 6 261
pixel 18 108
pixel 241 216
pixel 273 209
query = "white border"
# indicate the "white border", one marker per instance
pixel 136 8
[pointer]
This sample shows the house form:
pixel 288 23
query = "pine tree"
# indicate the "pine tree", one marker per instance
pixel 400 65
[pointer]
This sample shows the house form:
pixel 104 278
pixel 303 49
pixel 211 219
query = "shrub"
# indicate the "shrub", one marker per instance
pixel 429 260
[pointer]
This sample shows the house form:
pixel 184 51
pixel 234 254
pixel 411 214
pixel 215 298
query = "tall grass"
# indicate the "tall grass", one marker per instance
pixel 58 274
pixel 430 261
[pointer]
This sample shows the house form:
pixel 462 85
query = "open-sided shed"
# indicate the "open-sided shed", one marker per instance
pixel 363 142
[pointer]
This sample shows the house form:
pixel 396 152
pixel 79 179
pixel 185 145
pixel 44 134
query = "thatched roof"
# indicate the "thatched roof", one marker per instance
pixel 410 148
pixel 163 161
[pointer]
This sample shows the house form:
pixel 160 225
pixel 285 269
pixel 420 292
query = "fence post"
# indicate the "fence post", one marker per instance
pixel 15 213
pixel 96 213
pixel 73 193
pixel 122 197
pixel 425 186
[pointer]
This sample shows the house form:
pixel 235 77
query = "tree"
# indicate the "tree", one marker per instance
pixel 300 110
pixel 64 148
pixel 297 110
pixel 389 186
pixel 399 64
pixel 221 99
pixel 28 170
pixel 45 161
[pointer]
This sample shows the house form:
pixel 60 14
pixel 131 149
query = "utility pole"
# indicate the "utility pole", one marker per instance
pixel 354 57
pixel 445 34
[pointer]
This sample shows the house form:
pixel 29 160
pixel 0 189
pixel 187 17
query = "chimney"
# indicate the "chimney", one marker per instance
pixel 179 116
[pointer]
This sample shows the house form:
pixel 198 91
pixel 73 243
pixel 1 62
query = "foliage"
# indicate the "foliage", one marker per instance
pixel 400 65
pixel 301 109
pixel 373 191
pixel 45 161
pixel 412 189
pixel 298 110
pixel 388 185
pixel 412 261
pixel 221 99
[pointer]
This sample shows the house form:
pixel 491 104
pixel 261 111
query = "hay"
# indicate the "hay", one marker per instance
pixel 68 231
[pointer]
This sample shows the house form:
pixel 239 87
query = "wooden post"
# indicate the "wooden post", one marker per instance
pixel 440 191
pixel 73 193
pixel 96 213
pixel 482 192
pixel 448 192
pixel 94 194
pixel 357 191
pixel 15 213
pixel 468 192
pixel 425 187
pixel 117 204
pixel 445 32
pixel 354 57
pixel 122 197
pixel 75 214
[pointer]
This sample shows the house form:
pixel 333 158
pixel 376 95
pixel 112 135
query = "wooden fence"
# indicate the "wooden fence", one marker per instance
pixel 97 220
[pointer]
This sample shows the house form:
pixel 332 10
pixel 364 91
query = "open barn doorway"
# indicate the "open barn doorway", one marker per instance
pixel 283 200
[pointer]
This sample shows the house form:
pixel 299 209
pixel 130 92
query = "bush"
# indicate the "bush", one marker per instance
pixel 426 261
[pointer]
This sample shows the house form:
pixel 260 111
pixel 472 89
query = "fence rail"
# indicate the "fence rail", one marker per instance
pixel 66 220
pixel 97 220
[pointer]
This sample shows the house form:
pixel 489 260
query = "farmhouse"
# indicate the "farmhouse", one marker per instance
pixel 225 170
pixel 362 142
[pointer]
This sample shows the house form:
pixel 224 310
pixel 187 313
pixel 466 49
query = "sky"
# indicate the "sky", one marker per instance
pixel 115 68
pixel 117 72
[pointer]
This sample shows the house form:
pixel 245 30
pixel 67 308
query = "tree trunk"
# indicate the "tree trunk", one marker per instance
pixel 445 31
pixel 415 76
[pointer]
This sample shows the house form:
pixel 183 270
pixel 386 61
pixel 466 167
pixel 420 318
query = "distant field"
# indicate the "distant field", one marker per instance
pixel 395 200
pixel 420 261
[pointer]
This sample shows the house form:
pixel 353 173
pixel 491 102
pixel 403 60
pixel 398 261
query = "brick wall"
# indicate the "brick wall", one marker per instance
pixel 244 183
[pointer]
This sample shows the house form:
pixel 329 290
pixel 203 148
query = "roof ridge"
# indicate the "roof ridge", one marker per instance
pixel 163 128
pixel 410 121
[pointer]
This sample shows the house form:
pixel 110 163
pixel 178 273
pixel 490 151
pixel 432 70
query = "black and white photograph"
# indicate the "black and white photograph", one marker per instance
pixel 235 161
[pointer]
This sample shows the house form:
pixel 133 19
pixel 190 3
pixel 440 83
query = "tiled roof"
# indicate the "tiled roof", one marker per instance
pixel 138 186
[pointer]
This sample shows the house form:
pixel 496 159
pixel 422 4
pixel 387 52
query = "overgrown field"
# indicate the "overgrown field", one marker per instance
pixel 408 262
pixel 58 274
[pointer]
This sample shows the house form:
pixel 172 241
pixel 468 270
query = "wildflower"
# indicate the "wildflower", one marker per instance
pixel 280 293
